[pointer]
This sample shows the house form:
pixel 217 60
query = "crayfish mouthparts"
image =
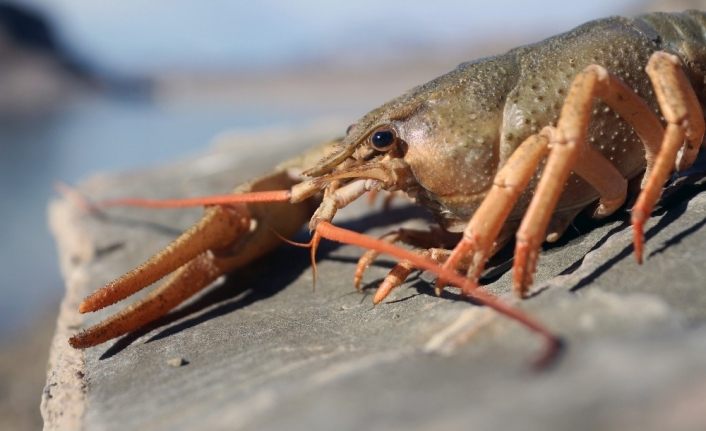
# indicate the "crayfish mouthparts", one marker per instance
pixel 391 174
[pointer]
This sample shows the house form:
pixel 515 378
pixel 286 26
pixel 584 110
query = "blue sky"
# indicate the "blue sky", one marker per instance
pixel 138 35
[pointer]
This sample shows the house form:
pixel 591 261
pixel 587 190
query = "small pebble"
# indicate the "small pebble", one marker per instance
pixel 177 361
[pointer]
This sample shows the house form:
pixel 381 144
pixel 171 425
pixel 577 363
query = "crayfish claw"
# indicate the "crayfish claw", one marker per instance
pixel 184 283
pixel 228 236
pixel 220 227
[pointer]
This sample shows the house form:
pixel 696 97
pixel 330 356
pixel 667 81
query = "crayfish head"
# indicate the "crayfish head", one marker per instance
pixel 374 134
pixel 372 150
pixel 442 139
pixel 369 158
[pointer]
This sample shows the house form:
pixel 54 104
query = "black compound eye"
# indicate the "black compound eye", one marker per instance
pixel 383 139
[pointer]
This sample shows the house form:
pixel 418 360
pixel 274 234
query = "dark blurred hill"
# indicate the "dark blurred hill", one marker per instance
pixel 29 30
pixel 38 71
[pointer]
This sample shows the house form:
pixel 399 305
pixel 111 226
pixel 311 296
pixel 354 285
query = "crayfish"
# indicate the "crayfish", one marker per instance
pixel 530 138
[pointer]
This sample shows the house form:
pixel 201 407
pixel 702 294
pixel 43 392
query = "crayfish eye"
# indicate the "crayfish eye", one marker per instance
pixel 383 138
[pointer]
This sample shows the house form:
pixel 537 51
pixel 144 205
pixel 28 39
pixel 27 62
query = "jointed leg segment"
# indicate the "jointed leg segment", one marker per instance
pixel 682 140
pixel 483 229
pixel 424 242
pixel 568 142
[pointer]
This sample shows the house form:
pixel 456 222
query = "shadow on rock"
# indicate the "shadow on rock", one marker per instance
pixel 256 282
pixel 672 207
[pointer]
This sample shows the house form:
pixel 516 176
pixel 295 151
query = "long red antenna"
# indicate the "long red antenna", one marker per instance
pixel 240 198
pixel 251 197
pixel 334 233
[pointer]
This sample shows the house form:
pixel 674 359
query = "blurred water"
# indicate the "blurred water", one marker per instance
pixel 87 136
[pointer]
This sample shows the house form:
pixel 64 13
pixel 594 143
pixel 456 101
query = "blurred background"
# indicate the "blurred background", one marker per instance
pixel 89 87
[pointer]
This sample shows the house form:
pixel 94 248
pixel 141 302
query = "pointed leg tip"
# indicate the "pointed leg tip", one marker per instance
pixel 520 291
pixel 439 285
pixel 523 269
pixel 384 291
pixel 522 281
pixel 78 342
pixel 638 242
pixel 356 284
pixel 551 354
pixel 93 303
pixel 469 288
pixel 518 280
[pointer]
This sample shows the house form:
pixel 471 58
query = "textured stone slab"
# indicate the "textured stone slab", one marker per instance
pixel 260 350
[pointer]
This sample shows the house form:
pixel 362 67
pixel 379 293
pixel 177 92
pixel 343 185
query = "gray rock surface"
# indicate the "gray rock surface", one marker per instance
pixel 260 350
